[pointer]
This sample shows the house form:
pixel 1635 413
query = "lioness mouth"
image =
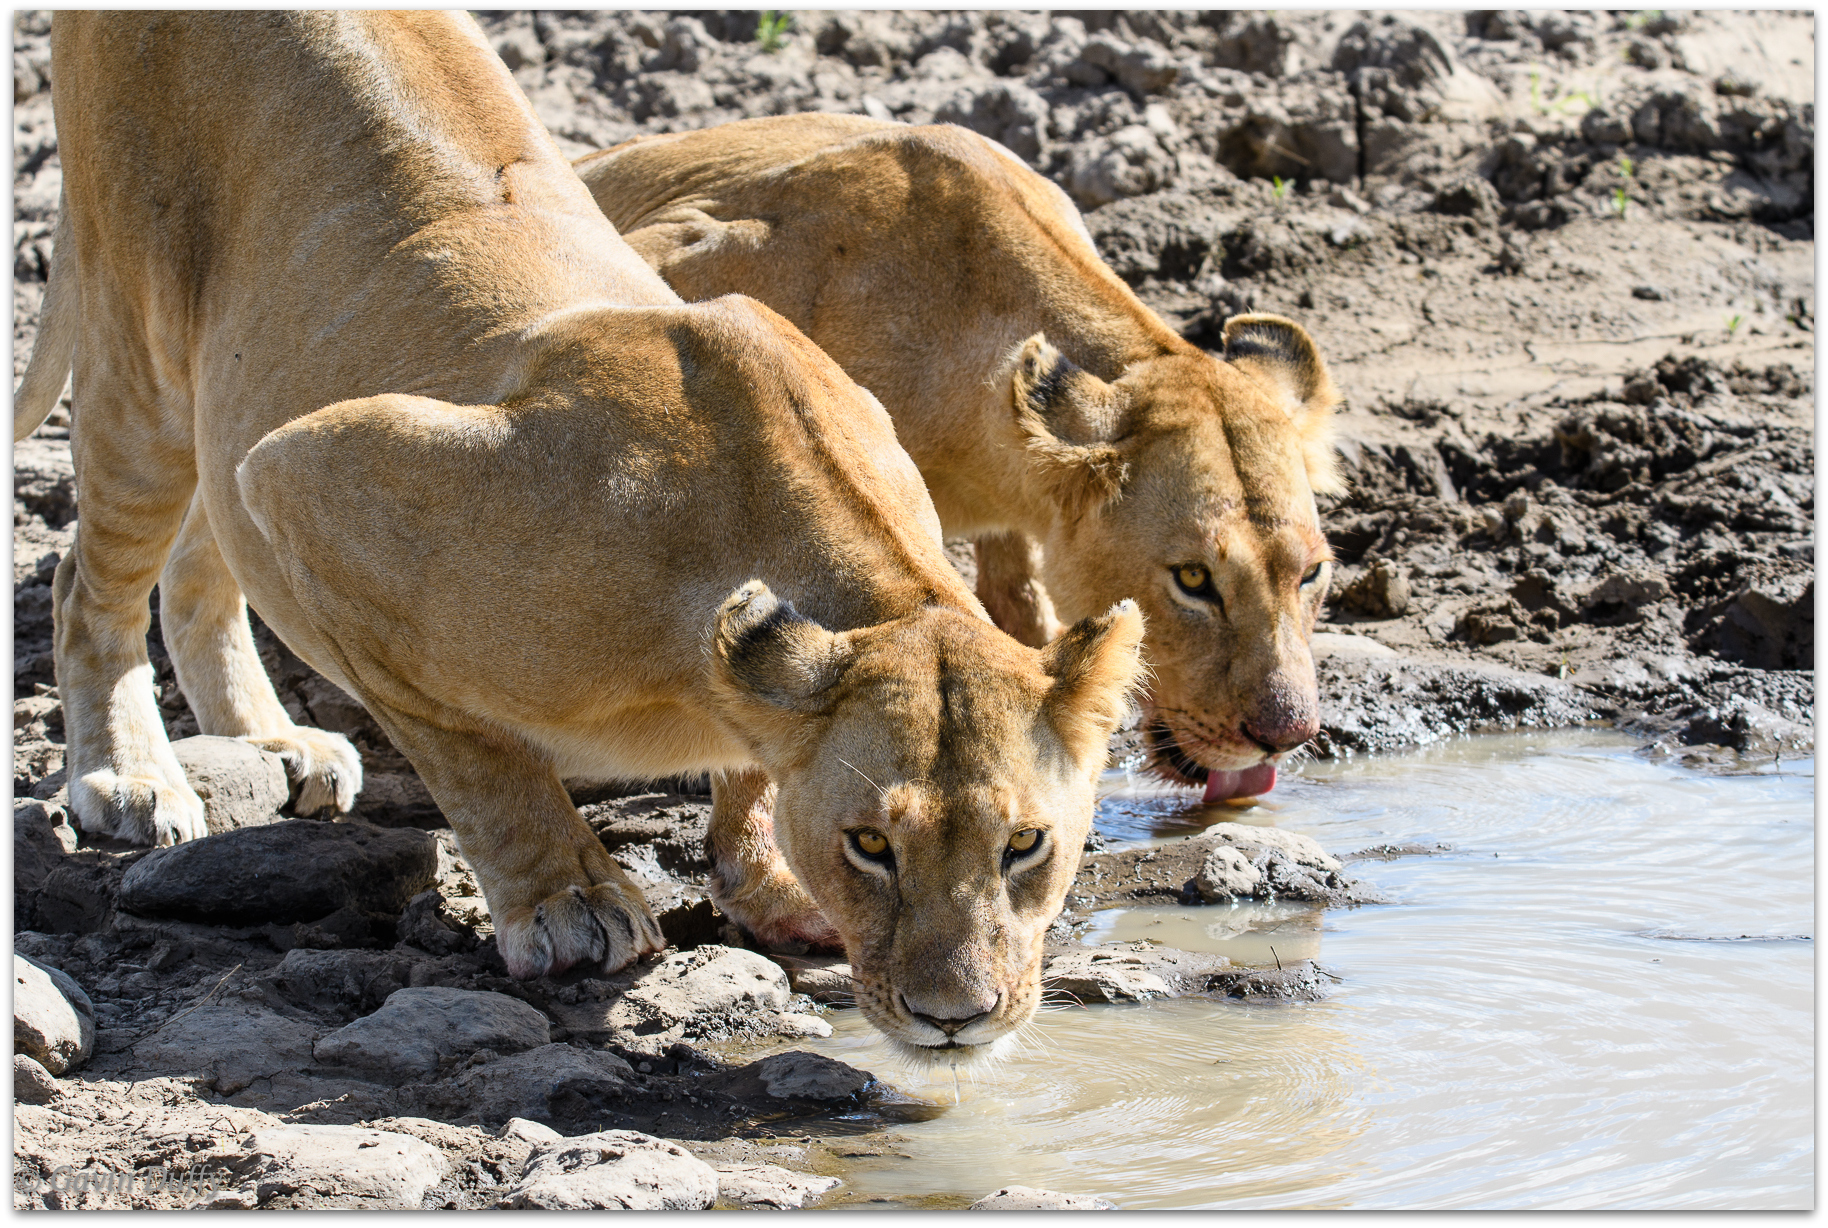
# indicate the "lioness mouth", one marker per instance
pixel 1220 785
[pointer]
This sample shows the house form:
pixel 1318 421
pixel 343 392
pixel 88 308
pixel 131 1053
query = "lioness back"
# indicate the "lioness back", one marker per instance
pixel 1051 413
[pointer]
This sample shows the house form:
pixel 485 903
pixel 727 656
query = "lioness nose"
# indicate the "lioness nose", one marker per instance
pixel 950 1026
pixel 1276 739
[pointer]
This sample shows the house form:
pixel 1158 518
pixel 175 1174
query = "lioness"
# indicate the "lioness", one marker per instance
pixel 1042 401
pixel 350 338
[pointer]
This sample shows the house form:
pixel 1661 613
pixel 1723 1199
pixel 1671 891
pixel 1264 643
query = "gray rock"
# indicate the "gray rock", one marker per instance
pixel 42 838
pixel 1026 1198
pixel 341 982
pixel 380 1167
pixel 298 870
pixel 708 980
pixel 823 981
pixel 769 1185
pixel 1143 68
pixel 1304 850
pixel 1382 591
pixel 417 1028
pixel 229 1044
pixel 529 1132
pixel 553 1084
pixel 32 1083
pixel 53 1019
pixel 1226 874
pixel 425 924
pixel 613 1170
pixel 241 785
pixel 809 1076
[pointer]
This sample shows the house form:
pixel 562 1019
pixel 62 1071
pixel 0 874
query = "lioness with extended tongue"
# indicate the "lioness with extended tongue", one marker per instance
pixel 349 337
pixel 1055 418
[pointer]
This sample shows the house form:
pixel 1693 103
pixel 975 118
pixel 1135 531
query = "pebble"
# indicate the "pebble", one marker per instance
pixel 416 1028
pixel 53 1019
pixel 614 1170
pixel 241 785
pixel 298 870
pixel 1225 874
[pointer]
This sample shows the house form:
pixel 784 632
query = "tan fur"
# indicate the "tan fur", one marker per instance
pixel 1041 400
pixel 355 341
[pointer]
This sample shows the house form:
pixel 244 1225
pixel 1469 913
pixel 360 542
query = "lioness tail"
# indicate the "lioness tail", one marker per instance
pixel 50 365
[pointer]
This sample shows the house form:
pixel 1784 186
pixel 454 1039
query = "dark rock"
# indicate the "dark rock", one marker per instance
pixel 298 870
pixel 795 1076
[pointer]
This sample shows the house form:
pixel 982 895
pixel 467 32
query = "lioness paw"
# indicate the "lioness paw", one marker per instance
pixel 326 768
pixel 606 924
pixel 142 808
pixel 776 910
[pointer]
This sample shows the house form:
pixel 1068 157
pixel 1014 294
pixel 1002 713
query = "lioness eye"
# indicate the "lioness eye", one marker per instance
pixel 1191 577
pixel 1313 574
pixel 870 843
pixel 1023 841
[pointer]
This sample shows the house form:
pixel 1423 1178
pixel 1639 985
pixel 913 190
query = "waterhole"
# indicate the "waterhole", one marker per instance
pixel 1598 994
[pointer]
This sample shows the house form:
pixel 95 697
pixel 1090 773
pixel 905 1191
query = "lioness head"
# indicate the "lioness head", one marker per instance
pixel 935 792
pixel 1188 484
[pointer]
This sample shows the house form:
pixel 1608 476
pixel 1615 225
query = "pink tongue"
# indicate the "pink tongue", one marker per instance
pixel 1221 786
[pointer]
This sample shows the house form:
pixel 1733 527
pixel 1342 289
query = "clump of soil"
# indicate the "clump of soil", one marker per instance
pixel 1560 263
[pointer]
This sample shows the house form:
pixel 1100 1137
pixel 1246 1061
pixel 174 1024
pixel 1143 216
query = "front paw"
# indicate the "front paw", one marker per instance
pixel 325 768
pixel 606 924
pixel 772 907
pixel 141 808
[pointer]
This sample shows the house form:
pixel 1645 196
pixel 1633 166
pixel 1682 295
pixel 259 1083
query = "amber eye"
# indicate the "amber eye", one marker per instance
pixel 870 843
pixel 1023 841
pixel 1191 577
pixel 1313 574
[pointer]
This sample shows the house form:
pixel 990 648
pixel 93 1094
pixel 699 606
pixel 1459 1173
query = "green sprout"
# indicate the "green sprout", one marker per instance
pixel 1620 202
pixel 1733 323
pixel 1278 186
pixel 1624 167
pixel 770 28
pixel 1536 93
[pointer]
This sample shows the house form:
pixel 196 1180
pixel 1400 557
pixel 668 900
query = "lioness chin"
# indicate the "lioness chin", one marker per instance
pixel 1092 453
pixel 406 389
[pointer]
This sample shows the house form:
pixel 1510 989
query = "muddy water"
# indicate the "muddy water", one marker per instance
pixel 1599 996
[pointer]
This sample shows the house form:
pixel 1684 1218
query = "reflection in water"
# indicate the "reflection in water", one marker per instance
pixel 1248 932
pixel 1601 995
pixel 1185 1103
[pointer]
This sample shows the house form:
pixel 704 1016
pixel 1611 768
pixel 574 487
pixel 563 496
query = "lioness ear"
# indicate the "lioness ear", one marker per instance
pixel 1279 353
pixel 1067 416
pixel 768 651
pixel 1095 664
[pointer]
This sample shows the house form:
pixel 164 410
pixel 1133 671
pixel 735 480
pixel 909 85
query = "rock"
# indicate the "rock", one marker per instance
pixel 1007 112
pixel 53 1019
pixel 1771 625
pixel 32 1083
pixel 1382 591
pixel 792 1023
pixel 340 982
pixel 809 1076
pixel 378 1166
pixel 229 1044
pixel 708 980
pixel 829 981
pixel 1026 1198
pixel 298 870
pixel 1227 873
pixel 1131 972
pixel 1304 850
pixel 1650 293
pixel 42 838
pixel 553 1084
pixel 619 1170
pixel 769 1185
pixel 426 925
pixel 241 785
pixel 529 1132
pixel 416 1029
pixel 1471 196
pixel 1143 69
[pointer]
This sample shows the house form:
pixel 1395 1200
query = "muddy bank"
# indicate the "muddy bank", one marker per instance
pixel 1561 265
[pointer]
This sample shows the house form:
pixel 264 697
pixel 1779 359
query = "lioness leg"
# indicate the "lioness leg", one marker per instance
pixel 556 897
pixel 136 471
pixel 750 880
pixel 205 621
pixel 1010 590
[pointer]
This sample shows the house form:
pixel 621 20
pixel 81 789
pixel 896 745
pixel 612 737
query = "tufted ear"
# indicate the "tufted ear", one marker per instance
pixel 1067 417
pixel 765 650
pixel 1280 354
pixel 1095 664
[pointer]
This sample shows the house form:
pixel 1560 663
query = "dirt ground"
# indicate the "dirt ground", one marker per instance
pixel 1560 264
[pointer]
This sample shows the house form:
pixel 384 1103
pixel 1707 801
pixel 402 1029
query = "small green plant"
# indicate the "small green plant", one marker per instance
pixel 1278 187
pixel 1624 168
pixel 1732 324
pixel 1536 93
pixel 770 28
pixel 1620 202
pixel 1643 17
